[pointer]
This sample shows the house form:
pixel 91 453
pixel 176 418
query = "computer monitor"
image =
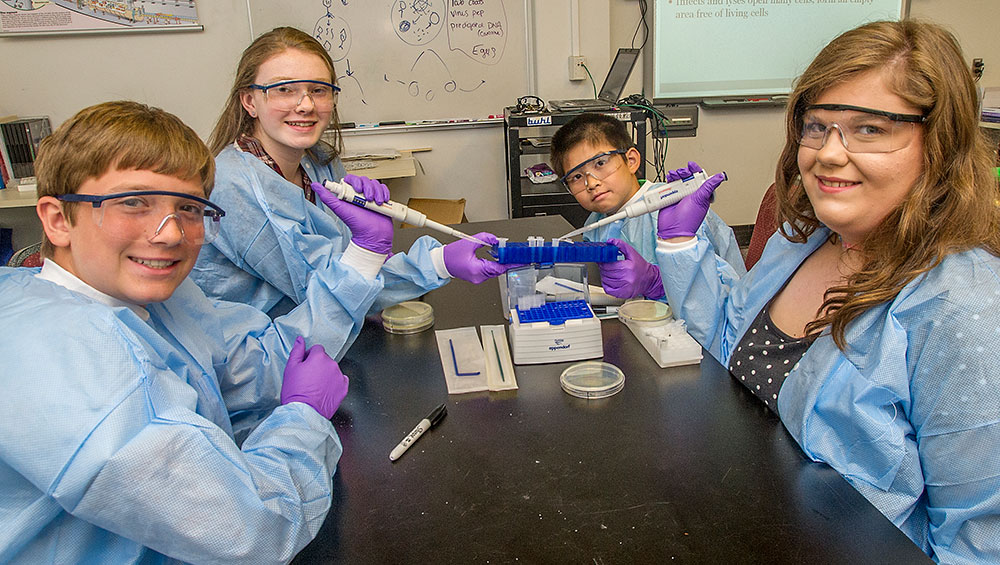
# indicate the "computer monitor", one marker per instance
pixel 618 74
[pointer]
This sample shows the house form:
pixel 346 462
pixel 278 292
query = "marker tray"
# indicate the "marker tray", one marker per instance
pixel 556 313
pixel 565 252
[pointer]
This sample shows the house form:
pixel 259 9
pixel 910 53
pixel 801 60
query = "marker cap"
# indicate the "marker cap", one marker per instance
pixel 437 415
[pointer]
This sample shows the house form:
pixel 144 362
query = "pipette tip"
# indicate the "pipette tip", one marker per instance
pixel 470 238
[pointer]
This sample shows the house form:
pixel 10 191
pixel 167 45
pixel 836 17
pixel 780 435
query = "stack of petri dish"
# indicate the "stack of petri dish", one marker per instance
pixel 408 317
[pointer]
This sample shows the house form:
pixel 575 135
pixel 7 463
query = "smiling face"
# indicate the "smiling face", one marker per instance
pixel 609 194
pixel 286 134
pixel 853 192
pixel 139 271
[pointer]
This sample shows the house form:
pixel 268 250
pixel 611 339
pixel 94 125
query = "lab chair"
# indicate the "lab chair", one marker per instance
pixel 763 228
pixel 29 256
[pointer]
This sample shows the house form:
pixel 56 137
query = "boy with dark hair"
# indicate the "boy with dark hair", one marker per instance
pixel 127 391
pixel 597 161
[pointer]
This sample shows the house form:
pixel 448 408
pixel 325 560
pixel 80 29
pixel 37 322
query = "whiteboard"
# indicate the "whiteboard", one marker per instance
pixel 717 48
pixel 413 60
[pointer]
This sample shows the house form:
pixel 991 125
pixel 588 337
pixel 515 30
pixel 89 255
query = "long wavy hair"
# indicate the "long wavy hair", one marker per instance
pixel 235 121
pixel 952 206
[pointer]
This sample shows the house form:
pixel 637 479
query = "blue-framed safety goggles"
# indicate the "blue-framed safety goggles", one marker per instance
pixel 136 214
pixel 600 167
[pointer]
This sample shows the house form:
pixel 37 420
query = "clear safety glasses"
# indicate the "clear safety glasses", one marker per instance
pixel 862 130
pixel 600 167
pixel 286 95
pixel 143 214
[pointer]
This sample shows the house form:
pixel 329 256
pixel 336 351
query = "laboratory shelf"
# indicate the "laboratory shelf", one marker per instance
pixel 525 199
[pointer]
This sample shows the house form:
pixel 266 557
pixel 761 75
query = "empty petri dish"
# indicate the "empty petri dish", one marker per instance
pixel 644 312
pixel 592 379
pixel 408 317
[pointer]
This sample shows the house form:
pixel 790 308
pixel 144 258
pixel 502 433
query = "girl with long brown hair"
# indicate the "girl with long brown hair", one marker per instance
pixel 870 324
pixel 288 239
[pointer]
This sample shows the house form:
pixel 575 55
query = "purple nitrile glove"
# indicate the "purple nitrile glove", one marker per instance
pixel 631 277
pixel 684 218
pixel 369 230
pixel 313 378
pixel 684 172
pixel 461 261
pixel 371 189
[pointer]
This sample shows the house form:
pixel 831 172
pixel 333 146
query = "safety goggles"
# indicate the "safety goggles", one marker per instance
pixel 142 214
pixel 600 167
pixel 862 130
pixel 286 95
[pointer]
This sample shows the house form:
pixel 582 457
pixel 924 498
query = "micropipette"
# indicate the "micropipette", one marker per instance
pixel 395 210
pixel 658 199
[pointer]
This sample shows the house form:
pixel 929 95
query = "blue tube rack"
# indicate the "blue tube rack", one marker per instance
pixel 556 313
pixel 565 252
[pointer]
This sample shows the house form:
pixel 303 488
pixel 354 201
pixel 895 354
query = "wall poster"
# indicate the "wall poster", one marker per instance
pixel 45 17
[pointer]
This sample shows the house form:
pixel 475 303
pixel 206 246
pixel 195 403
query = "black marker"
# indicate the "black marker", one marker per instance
pixel 427 423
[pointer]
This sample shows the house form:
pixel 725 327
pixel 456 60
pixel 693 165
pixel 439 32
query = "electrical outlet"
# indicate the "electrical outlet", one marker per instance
pixel 977 68
pixel 577 71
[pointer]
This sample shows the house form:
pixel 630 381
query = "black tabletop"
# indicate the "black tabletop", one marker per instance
pixel 682 465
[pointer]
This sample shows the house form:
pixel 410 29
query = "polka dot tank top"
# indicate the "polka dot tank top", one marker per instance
pixel 764 357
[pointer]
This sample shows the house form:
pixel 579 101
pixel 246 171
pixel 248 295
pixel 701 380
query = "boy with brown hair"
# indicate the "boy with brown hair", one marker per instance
pixel 128 394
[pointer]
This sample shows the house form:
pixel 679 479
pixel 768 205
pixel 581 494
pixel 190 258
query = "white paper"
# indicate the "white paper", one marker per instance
pixel 462 359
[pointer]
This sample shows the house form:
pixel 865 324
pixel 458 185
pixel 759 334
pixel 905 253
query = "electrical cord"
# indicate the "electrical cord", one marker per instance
pixel 529 105
pixel 657 120
pixel 660 143
pixel 641 25
pixel 592 83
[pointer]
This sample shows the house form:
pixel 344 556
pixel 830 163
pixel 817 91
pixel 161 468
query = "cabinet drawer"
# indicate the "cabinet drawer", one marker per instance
pixel 574 213
pixel 548 199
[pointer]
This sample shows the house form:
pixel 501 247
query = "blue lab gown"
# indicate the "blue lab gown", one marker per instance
pixel 117 437
pixel 910 414
pixel 273 240
pixel 640 232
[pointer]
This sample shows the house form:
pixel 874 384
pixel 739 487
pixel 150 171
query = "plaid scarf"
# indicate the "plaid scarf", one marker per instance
pixel 250 144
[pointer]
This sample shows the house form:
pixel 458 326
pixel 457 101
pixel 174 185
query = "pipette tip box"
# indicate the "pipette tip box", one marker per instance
pixel 556 312
pixel 565 252
pixel 555 332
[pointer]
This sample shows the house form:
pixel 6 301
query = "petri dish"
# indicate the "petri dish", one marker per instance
pixel 592 379
pixel 408 317
pixel 644 312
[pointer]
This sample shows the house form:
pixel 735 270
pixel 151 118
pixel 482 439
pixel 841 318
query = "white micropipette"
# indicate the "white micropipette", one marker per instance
pixel 395 210
pixel 658 199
